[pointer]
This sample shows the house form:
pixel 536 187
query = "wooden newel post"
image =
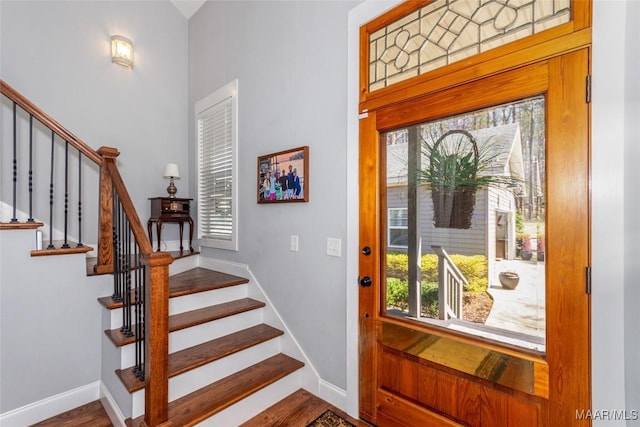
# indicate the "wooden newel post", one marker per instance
pixel 105 213
pixel 156 342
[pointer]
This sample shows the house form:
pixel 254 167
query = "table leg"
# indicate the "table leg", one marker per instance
pixel 150 231
pixel 159 231
pixel 181 230
pixel 190 234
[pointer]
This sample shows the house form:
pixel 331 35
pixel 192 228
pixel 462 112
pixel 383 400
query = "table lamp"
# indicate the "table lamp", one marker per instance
pixel 171 172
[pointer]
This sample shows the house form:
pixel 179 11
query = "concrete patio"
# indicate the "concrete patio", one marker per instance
pixel 520 311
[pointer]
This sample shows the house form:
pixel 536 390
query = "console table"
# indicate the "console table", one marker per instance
pixel 170 209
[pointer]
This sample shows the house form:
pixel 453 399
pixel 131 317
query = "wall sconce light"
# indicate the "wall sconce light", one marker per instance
pixel 171 172
pixel 122 51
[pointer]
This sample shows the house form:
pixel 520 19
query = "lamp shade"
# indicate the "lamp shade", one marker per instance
pixel 122 51
pixel 171 171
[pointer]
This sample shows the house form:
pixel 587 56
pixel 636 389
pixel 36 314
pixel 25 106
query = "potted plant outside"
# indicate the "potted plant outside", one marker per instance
pixel 457 169
pixel 509 279
pixel 540 247
pixel 526 253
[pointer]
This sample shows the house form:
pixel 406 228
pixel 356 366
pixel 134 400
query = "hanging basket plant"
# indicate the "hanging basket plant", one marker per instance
pixel 457 169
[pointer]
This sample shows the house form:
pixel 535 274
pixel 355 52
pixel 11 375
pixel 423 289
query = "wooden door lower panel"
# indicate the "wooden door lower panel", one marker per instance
pixel 429 391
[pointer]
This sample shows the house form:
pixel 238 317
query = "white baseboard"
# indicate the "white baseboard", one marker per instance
pixel 333 394
pixel 51 406
pixel 110 406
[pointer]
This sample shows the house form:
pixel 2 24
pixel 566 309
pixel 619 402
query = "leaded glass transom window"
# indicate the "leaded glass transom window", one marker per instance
pixel 447 31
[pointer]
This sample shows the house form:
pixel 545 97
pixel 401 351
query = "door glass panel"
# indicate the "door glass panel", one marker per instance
pixel 465 223
pixel 444 32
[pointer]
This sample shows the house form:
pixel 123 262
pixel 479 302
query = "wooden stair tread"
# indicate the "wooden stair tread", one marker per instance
pixel 201 280
pixel 193 318
pixel 24 225
pixel 93 261
pixel 207 401
pixel 189 282
pixel 201 354
pixel 59 250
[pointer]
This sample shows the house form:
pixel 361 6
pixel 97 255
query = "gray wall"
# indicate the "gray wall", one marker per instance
pixel 632 210
pixel 49 324
pixel 58 54
pixel 290 59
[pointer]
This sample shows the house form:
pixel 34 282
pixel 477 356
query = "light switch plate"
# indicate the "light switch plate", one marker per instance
pixel 334 247
pixel 294 243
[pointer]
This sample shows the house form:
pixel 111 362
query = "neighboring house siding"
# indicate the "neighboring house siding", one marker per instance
pixel 455 241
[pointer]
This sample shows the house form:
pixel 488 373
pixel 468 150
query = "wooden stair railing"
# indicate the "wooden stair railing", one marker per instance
pixel 120 227
pixel 451 283
pixel 155 294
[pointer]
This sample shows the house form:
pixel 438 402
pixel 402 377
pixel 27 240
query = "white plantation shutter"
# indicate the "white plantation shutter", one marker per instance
pixel 217 185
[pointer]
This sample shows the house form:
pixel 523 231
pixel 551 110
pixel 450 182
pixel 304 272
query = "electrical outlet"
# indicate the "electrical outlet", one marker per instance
pixel 334 247
pixel 294 243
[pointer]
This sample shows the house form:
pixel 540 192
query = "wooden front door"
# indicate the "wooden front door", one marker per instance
pixel 426 365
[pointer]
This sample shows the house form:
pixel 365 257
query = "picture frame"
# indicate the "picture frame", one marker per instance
pixel 283 177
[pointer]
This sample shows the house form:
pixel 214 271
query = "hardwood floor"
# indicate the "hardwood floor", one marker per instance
pixel 296 410
pixel 91 414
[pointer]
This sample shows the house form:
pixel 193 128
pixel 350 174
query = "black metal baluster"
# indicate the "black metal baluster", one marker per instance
pixel 143 285
pixel 139 305
pixel 126 244
pixel 15 162
pixel 53 137
pixel 30 169
pixel 79 245
pixel 66 193
pixel 115 208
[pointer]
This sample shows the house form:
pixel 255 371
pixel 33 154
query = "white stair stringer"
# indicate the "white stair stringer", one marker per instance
pixel 309 377
pixel 202 376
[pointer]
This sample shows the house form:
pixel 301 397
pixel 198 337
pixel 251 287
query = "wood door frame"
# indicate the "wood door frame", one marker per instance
pixel 548 52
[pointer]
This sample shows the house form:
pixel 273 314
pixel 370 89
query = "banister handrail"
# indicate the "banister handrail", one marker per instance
pixel 49 122
pixel 132 261
pixel 155 295
pixel 128 207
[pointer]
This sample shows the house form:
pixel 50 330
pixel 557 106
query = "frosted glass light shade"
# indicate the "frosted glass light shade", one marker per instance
pixel 122 51
pixel 171 171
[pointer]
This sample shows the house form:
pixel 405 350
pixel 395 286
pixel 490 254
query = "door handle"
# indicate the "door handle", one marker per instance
pixel 366 281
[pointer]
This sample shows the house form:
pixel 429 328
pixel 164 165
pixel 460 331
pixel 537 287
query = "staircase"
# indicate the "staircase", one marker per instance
pixel 221 352
pixel 210 351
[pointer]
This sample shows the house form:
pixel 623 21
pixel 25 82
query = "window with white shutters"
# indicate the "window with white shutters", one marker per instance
pixel 217 165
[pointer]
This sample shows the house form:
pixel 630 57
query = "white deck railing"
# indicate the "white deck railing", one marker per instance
pixel 450 285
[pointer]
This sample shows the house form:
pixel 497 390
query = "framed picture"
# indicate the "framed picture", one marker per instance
pixel 283 177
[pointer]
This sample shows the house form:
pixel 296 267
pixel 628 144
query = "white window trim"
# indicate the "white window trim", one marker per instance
pixel 230 90
pixel 394 227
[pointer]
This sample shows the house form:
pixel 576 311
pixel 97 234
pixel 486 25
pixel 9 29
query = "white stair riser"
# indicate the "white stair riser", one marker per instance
pixel 187 303
pixel 200 377
pixel 205 299
pixel 195 335
pixel 115 317
pixel 255 403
